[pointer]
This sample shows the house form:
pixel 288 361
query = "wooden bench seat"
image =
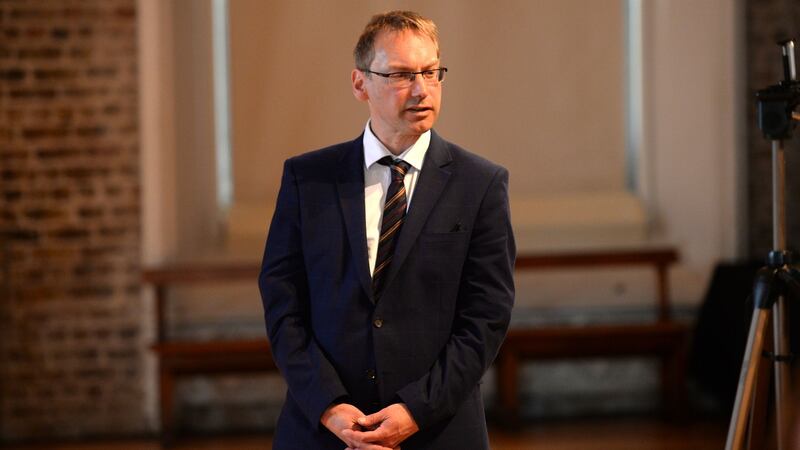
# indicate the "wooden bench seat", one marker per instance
pixel 215 356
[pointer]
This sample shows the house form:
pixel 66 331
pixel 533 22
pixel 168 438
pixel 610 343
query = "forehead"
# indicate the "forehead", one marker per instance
pixel 404 49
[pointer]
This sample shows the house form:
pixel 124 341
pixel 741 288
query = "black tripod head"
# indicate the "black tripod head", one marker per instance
pixel 777 103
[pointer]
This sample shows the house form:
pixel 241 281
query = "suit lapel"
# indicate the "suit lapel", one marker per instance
pixel 350 185
pixel 430 185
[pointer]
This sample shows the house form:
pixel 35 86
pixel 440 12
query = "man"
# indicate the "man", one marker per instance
pixel 387 275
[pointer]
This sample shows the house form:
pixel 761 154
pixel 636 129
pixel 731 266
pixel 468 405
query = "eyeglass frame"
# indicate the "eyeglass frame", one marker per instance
pixel 410 76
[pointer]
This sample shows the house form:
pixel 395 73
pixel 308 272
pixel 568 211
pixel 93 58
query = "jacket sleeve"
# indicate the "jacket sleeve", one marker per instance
pixel 312 380
pixel 485 299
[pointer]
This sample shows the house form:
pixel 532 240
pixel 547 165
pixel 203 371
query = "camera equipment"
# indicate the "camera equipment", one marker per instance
pixel 776 103
pixel 774 283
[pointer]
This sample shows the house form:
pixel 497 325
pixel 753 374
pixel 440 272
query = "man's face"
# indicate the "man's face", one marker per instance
pixel 400 112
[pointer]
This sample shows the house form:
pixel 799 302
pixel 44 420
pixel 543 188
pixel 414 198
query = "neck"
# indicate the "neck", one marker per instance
pixel 395 143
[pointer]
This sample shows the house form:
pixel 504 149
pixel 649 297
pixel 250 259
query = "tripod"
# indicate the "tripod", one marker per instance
pixel 774 283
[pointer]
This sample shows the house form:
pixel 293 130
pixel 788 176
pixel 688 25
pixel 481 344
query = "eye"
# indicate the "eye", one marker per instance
pixel 429 74
pixel 397 76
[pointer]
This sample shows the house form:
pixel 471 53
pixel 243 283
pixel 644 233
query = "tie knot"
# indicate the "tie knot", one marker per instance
pixel 398 167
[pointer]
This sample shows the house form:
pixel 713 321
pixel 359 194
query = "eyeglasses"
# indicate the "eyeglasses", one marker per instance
pixel 405 79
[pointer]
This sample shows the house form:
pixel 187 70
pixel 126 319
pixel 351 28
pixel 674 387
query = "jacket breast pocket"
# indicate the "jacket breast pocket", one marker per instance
pixel 444 246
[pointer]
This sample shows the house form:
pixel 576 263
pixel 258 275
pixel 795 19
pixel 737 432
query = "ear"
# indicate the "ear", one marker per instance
pixel 359 85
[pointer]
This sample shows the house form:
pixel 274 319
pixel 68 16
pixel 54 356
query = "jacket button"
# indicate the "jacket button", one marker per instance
pixel 371 374
pixel 377 323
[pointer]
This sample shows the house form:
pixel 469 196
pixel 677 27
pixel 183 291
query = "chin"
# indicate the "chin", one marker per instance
pixel 421 127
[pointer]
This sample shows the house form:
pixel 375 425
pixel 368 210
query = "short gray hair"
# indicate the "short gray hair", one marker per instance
pixel 364 52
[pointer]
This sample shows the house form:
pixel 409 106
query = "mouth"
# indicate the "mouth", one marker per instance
pixel 419 109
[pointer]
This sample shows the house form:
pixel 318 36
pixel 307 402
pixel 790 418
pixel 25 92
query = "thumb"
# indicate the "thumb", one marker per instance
pixel 371 420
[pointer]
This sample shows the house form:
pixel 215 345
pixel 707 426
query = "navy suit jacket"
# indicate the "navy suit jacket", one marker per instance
pixel 440 321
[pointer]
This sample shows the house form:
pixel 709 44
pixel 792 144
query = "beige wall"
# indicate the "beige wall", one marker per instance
pixel 524 89
pixel 690 193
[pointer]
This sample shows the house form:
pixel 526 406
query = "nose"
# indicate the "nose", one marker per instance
pixel 418 87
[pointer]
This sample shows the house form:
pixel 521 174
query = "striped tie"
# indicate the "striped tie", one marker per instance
pixel 394 212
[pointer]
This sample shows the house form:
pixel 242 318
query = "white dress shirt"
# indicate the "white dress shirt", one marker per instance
pixel 377 178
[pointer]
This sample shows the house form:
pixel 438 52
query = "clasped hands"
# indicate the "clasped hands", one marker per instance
pixel 384 430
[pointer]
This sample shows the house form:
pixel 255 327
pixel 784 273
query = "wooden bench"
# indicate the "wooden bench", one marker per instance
pixel 663 338
pixel 183 358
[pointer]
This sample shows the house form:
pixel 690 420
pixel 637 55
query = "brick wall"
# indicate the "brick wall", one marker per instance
pixel 768 22
pixel 71 314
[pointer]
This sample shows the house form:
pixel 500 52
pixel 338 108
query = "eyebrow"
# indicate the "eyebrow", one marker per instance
pixel 395 68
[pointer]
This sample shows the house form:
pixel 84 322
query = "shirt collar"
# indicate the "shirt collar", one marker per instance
pixel 375 150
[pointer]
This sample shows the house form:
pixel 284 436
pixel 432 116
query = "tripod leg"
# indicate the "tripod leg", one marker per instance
pixel 744 394
pixel 782 373
pixel 759 431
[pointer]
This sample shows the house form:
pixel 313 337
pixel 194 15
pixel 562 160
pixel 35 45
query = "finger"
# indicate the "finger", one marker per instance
pixel 371 420
pixel 347 438
pixel 372 447
pixel 364 436
pixel 351 439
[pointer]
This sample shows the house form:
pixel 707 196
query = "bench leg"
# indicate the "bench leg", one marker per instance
pixel 673 384
pixel 508 387
pixel 166 402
